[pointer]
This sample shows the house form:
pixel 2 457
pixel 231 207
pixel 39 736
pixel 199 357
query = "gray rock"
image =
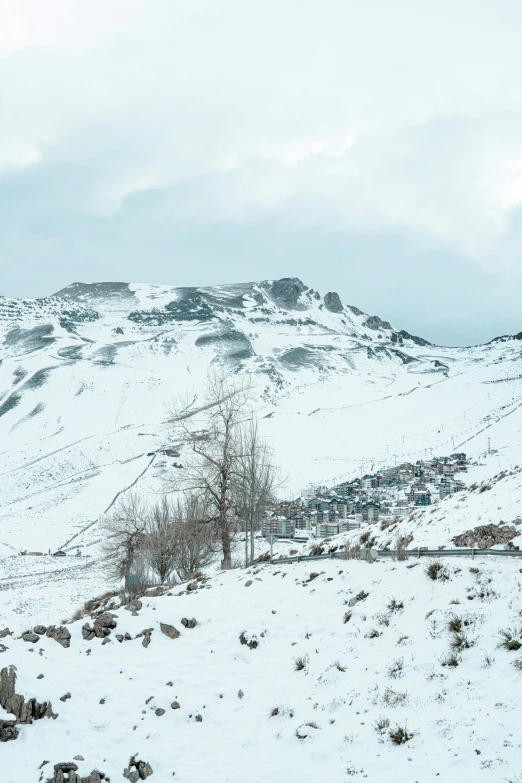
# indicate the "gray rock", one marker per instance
pixel 333 303
pixel 30 637
pixel 189 623
pixel 146 633
pixel 5 632
pixel 61 634
pixel 40 677
pixel 248 583
pixel 8 731
pixel 169 631
pixel 159 712
pixel 175 705
pixel 40 629
pixel 486 536
pixel 376 323
pixel 78 758
pixel 24 711
pixel 64 698
pixel 240 694
pixel 66 766
pixel 199 719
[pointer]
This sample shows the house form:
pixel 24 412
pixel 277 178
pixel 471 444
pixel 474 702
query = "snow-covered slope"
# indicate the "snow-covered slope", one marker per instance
pixel 85 376
pixel 250 714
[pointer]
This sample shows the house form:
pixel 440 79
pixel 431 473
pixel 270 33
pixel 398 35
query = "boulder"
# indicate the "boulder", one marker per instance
pixel 8 731
pixel 175 705
pixel 137 770
pixel 159 712
pixel 40 629
pixel 169 631
pixel 146 636
pixel 31 637
pixel 189 623
pixel 5 632
pixel 287 291
pixel 60 634
pixel 24 711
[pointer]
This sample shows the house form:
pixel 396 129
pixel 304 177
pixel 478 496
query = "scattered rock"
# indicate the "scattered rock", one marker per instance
pixel 170 683
pixel 169 631
pixel 78 758
pixel 199 719
pixel 240 694
pixel 30 637
pixel 40 677
pixel 137 770
pixel 248 583
pixel 5 632
pixel 146 636
pixel 159 712
pixel 135 605
pixel 189 623
pixel 175 705
pixel 40 629
pixel 24 711
pixel 64 698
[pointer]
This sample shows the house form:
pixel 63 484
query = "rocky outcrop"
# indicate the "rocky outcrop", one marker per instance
pixel 486 536
pixel 5 632
pixel 333 303
pixel 287 291
pixel 376 323
pixel 8 731
pixel 40 629
pixel 137 770
pixel 169 630
pixel 31 637
pixel 24 711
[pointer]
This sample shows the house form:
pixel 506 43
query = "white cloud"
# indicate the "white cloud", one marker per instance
pixel 381 113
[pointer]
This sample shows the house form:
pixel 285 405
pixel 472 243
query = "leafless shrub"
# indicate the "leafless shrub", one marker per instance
pixel 394 698
pixel 361 596
pixel 395 606
pixel 401 544
pixel 313 576
pixel 518 664
pixel 301 663
pixel 381 725
pixel 373 634
pixel 383 619
pixel 402 639
pixel 437 571
pixel 455 623
pixel 337 665
pixel 317 549
pixel 451 660
pixel 351 553
pixel 460 642
pixel 487 660
pixel 250 641
pixel 395 668
pixel 311 724
pixel 274 711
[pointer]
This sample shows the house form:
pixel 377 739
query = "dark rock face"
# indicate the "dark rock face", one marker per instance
pixel 30 340
pixel 417 340
pixel 81 291
pixel 24 711
pixel 287 291
pixel 485 536
pixel 8 731
pixel 333 303
pixel 376 323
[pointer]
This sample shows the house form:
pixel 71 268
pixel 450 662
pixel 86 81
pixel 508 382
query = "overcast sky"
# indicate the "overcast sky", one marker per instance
pixel 369 147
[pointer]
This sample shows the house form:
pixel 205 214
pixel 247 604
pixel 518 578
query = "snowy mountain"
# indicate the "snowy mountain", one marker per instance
pixel 85 376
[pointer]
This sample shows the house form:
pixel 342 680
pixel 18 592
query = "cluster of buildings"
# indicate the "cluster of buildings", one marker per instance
pixel 392 492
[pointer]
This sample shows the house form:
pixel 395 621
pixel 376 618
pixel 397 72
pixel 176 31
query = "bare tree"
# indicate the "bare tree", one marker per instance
pixel 255 477
pixel 210 429
pixel 196 545
pixel 125 534
pixel 160 543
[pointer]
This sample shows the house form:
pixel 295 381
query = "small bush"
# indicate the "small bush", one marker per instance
pixel 451 660
pixel 437 571
pixel 509 640
pixel 347 617
pixel 474 570
pixel 312 724
pixel 395 669
pixel 317 549
pixel 339 667
pixel 381 724
pixel 402 639
pixel 455 624
pixel 395 606
pixel 274 711
pixel 518 664
pixel 251 642
pixel 301 663
pixel 365 536
pixel 459 642
pixel 362 595
pixel 383 619
pixel 313 576
pixel 373 634
pixel 400 735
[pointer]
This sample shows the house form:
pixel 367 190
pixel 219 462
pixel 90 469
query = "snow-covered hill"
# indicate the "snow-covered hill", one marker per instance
pixel 335 657
pixel 85 376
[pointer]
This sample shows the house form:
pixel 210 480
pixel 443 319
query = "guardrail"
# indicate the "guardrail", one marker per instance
pixel 367 554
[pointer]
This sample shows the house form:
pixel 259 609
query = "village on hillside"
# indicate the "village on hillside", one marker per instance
pixel 391 493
